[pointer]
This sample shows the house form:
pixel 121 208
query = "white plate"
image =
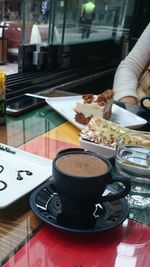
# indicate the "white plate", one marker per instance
pixel 65 107
pixel 105 151
pixel 13 160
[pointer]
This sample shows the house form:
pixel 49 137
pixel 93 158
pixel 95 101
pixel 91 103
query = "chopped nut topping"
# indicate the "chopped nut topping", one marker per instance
pixel 103 98
pixel 88 98
pixel 102 103
pixel 102 131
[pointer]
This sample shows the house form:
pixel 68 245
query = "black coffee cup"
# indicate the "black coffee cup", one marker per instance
pixel 72 149
pixel 143 102
pixel 80 178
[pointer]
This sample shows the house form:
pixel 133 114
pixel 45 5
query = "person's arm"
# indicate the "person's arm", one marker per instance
pixel 129 100
pixel 129 70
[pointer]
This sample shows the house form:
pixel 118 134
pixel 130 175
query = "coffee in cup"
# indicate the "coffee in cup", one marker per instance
pixel 80 178
pixel 81 165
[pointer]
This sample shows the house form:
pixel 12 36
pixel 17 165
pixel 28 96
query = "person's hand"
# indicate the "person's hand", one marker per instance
pixel 129 100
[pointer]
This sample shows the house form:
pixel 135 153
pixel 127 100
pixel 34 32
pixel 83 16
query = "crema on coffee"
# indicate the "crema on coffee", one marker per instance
pixel 81 165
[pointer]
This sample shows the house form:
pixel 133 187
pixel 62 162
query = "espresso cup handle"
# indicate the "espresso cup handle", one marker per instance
pixel 120 194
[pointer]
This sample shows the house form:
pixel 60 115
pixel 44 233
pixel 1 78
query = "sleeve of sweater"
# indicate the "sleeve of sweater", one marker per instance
pixel 129 70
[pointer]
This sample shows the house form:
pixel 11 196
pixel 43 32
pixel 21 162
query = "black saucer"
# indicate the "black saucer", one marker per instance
pixel 45 203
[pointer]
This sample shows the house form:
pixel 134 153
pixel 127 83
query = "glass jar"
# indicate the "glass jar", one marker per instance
pixel 132 160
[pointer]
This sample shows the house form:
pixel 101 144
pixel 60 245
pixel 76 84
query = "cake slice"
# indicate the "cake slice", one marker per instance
pixel 97 106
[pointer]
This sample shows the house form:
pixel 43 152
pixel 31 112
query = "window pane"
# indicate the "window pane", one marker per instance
pixel 67 19
pixel 111 19
pixel 64 21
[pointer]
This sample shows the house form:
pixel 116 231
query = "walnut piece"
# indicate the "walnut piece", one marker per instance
pixel 103 98
pixel 88 98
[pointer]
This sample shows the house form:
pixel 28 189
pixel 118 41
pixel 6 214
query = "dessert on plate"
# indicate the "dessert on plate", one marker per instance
pixel 103 132
pixel 94 106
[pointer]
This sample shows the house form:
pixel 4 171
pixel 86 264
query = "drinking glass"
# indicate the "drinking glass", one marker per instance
pixel 132 160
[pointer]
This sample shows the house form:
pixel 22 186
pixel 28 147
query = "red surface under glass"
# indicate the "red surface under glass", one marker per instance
pixel 127 245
